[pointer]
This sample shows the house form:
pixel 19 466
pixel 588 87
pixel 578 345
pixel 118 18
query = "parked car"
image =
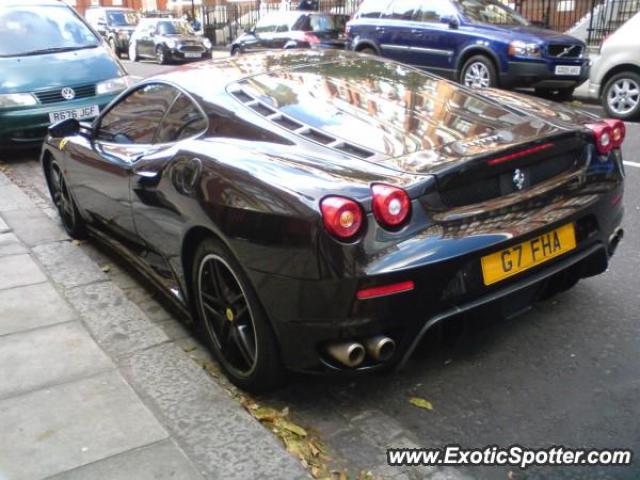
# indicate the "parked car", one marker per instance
pixel 115 24
pixel 615 73
pixel 53 67
pixel 325 214
pixel 167 40
pixel 293 29
pixel 480 43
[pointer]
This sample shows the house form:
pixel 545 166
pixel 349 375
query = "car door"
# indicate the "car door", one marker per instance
pixel 100 176
pixel 144 40
pixel 436 45
pixel 159 183
pixel 398 29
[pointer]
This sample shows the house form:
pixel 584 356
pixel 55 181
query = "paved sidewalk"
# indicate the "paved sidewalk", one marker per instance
pixel 92 388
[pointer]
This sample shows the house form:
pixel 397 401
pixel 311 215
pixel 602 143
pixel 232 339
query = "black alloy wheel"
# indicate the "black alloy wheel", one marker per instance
pixel 62 199
pixel 232 320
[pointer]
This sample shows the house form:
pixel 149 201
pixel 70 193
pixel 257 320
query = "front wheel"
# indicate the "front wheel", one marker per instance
pixel 232 321
pixel 161 57
pixel 133 52
pixel 368 51
pixel 62 199
pixel 621 96
pixel 479 72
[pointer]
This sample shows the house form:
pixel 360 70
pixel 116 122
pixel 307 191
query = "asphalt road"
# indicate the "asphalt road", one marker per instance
pixel 566 373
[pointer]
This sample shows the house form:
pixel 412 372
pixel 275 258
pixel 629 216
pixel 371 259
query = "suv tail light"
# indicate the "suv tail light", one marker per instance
pixel 342 217
pixel 391 205
pixel 619 131
pixel 603 136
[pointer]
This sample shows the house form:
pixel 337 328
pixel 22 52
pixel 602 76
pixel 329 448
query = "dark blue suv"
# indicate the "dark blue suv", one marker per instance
pixel 480 43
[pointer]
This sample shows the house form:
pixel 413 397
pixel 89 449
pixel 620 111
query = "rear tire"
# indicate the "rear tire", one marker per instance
pixel 232 321
pixel 479 72
pixel 235 51
pixel 368 51
pixel 70 217
pixel 621 96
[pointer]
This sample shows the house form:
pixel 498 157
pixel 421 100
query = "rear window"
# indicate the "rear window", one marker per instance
pixel 39 29
pixel 372 8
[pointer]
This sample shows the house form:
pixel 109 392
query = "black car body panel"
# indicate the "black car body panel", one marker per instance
pixel 115 24
pixel 285 130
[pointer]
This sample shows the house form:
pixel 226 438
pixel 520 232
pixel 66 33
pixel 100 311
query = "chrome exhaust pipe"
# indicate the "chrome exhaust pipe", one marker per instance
pixel 380 348
pixel 349 354
pixel 614 239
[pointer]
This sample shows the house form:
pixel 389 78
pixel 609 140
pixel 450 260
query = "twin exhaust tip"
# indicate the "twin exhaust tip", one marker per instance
pixel 352 354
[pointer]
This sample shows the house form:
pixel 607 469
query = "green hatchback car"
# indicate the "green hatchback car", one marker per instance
pixel 53 66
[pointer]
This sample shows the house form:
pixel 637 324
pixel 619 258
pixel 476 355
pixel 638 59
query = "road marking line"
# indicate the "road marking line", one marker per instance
pixel 632 164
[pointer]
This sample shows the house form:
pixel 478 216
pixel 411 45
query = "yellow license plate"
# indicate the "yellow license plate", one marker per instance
pixel 525 255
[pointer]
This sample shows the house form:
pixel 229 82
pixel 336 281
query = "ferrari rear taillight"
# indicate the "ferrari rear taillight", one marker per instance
pixel 619 131
pixel 342 217
pixel 391 205
pixel 603 136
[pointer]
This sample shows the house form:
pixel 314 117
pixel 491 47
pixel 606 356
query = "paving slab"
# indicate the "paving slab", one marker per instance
pixel 117 324
pixel 67 264
pixel 33 227
pixel 160 461
pixel 48 356
pixel 4 180
pixel 24 308
pixel 50 431
pixel 221 438
pixel 12 198
pixel 18 271
pixel 11 245
pixel 3 226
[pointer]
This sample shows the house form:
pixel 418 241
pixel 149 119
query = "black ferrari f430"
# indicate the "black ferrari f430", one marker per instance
pixel 320 211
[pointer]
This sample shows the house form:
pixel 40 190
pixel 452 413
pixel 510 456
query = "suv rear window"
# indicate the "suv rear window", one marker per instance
pixel 372 8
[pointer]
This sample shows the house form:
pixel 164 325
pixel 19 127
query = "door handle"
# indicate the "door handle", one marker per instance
pixel 416 30
pixel 379 29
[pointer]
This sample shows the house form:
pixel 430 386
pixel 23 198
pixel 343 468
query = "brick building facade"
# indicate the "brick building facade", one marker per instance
pixel 146 5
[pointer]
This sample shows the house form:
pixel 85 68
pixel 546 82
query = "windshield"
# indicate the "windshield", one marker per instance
pixel 42 29
pixel 489 11
pixel 323 23
pixel 122 19
pixel 175 27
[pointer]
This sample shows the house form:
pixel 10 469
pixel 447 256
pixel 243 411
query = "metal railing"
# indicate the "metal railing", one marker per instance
pixel 225 20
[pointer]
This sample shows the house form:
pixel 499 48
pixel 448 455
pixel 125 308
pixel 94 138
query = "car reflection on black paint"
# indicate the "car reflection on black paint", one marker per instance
pixel 323 215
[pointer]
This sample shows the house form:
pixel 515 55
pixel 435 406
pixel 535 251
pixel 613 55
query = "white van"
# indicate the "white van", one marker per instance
pixel 615 73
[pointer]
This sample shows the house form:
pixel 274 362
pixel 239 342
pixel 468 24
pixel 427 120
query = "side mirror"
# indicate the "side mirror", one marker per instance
pixel 450 20
pixel 65 128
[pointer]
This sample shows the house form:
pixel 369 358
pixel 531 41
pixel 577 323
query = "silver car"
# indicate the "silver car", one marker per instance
pixel 615 73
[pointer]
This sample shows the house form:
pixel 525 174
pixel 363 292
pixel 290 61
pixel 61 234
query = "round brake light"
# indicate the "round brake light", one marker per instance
pixel 391 205
pixel 341 216
pixel 603 136
pixel 618 130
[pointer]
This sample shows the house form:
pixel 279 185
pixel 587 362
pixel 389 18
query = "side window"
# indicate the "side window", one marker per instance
pixel 136 118
pixel 434 10
pixel 265 25
pixel 372 8
pixel 402 10
pixel 184 120
pixel 282 27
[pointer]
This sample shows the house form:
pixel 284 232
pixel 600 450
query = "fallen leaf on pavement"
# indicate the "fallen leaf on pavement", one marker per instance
pixel 265 414
pixel 105 268
pixel 421 403
pixel 290 426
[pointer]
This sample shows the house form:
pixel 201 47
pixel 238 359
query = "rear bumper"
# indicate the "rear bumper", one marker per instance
pixel 27 127
pixel 540 74
pixel 309 314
